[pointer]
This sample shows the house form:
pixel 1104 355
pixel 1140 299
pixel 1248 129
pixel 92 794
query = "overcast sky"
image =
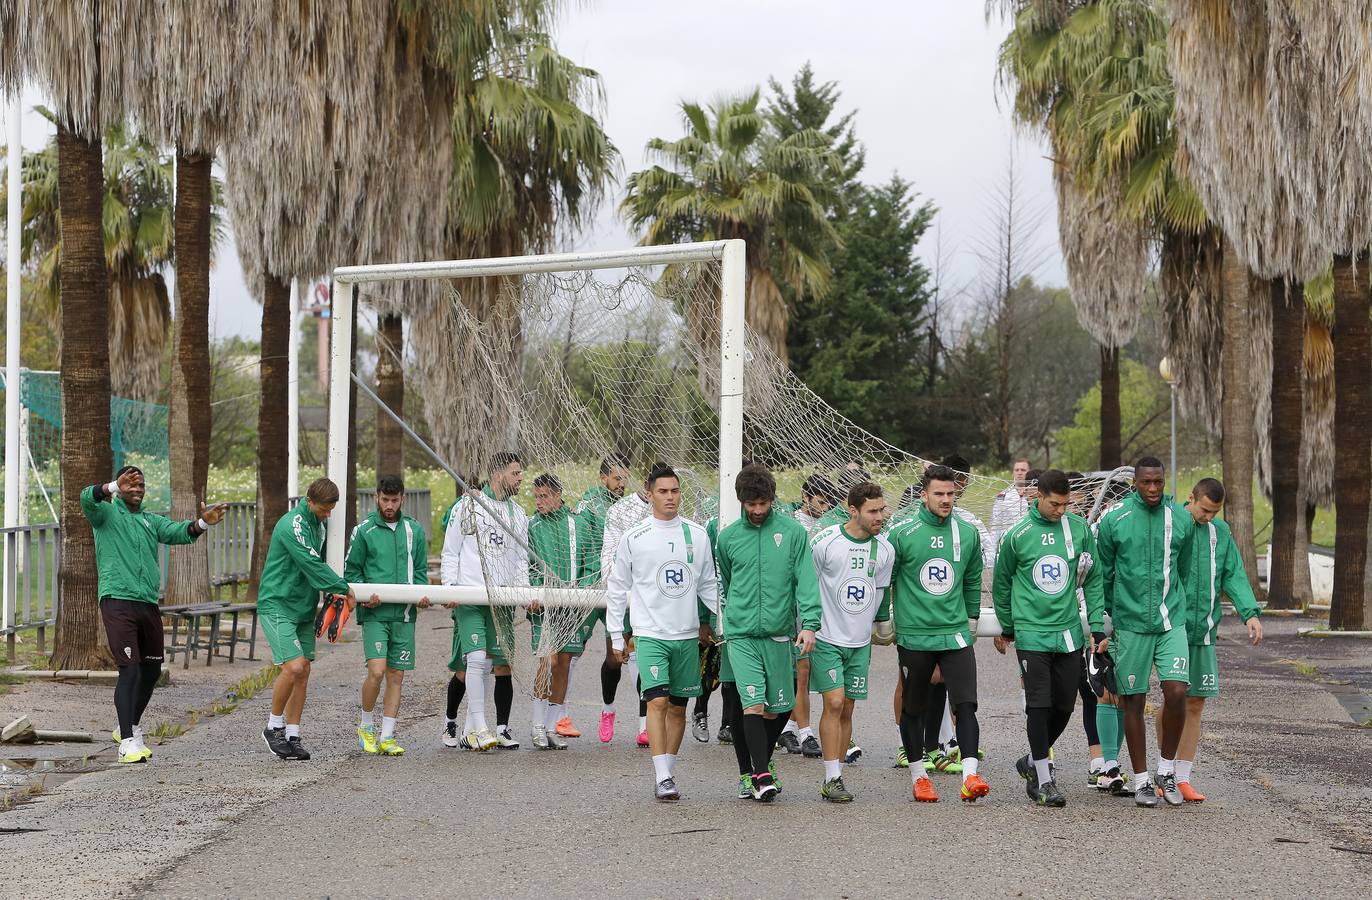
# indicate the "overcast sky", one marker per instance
pixel 920 73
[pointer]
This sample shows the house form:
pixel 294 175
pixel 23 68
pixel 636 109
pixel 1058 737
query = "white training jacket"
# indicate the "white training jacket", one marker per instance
pixel 472 533
pixel 1008 509
pixel 661 569
pixel 623 514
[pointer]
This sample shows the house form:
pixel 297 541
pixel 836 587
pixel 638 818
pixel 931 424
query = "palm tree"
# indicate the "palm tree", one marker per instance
pixel 1295 193
pixel 732 176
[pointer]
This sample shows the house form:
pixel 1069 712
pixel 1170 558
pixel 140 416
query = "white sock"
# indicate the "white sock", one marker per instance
pixel 293 731
pixel 554 713
pixel 138 733
pixel 671 764
pixel 1184 770
pixel 945 730
pixel 1111 764
pixel 571 670
pixel 791 727
pixel 805 732
pixel 276 721
pixel 607 709
pixel 1097 765
pixel 448 721
pixel 642 723
pixel 969 767
pixel 1041 768
pixel 478 667
pixel 1023 700
pixel 833 768
pixel 1141 778
pixel 387 728
pixel 916 770
pixel 1166 766
pixel 367 720
pixel 128 745
pixel 539 716
pixel 662 767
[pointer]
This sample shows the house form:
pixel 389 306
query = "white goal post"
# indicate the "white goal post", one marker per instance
pixel 731 255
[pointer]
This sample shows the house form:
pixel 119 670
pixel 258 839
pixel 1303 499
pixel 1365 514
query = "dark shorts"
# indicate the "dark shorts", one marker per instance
pixel 959 669
pixel 1050 679
pixel 134 630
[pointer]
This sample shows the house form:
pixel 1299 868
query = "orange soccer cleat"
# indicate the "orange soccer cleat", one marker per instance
pixel 566 729
pixel 974 786
pixel 924 790
pixel 1190 794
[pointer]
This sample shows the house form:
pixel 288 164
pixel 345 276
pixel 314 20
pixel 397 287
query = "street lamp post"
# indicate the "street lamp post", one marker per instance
pixel 1169 376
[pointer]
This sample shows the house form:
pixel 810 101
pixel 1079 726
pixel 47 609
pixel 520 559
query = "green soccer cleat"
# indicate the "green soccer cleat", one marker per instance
pixel 938 761
pixel 745 787
pixel 389 747
pixel 902 761
pixel 834 791
pixel 366 738
pixel 776 779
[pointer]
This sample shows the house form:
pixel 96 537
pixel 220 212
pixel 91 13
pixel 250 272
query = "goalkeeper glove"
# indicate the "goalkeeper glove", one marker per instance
pixel 884 633
pixel 972 626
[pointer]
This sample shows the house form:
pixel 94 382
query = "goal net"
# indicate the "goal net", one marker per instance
pixel 590 368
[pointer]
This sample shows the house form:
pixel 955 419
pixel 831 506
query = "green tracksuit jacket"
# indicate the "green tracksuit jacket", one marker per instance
pixel 126 545
pixel 1214 568
pixel 1143 554
pixel 767 574
pixel 936 586
pixel 295 572
pixel 593 507
pixel 1036 579
pixel 379 554
pixel 562 542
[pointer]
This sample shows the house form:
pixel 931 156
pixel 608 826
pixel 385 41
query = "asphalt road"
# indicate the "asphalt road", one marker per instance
pixel 215 814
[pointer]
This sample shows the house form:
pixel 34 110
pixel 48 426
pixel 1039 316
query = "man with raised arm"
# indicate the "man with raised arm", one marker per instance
pixel 662 567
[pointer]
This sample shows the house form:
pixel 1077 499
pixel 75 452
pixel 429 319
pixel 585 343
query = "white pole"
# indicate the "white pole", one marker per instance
pixel 733 284
pixel 293 398
pixel 340 415
pixel 14 448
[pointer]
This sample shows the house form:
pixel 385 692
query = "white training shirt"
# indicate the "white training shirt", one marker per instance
pixel 623 514
pixel 805 518
pixel 661 569
pixel 853 575
pixel 1009 508
pixel 472 533
pixel 988 546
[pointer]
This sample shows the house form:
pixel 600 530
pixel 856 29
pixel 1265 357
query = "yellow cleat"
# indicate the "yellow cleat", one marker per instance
pixel 389 747
pixel 366 738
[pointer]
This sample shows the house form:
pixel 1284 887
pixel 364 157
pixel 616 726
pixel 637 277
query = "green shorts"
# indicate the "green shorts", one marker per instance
pixel 391 641
pixel 833 667
pixel 1137 655
pixel 598 615
pixel 474 629
pixel 1205 671
pixel 575 644
pixel 726 668
pixel 764 671
pixel 671 664
pixel 289 637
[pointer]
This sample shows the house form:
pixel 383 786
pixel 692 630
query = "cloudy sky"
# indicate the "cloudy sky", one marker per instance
pixel 920 73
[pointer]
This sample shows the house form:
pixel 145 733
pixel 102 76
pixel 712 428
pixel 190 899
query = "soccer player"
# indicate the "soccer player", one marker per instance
pixel 126 540
pixel 818 495
pixel 936 598
pixel 768 578
pixel 560 542
pixel 1010 505
pixel 624 515
pixel 486 529
pixel 594 506
pixel 853 564
pixel 1144 547
pixel 1214 568
pixel 293 575
pixel 1035 597
pixel 388 547
pixel 662 568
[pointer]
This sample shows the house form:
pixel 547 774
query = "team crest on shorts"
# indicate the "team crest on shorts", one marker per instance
pixel 833 674
pixel 653 669
pixel 474 637
pixel 1050 575
pixel 1131 680
pixel 297 643
pixel 378 646
pixel 752 690
pixel 128 651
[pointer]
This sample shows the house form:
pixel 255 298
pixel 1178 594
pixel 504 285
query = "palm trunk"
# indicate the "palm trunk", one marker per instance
pixel 271 417
pixel 1353 425
pixel 86 457
pixel 1111 453
pixel 188 417
pixel 1236 409
pixel 390 387
pixel 1288 348
pixel 1305 595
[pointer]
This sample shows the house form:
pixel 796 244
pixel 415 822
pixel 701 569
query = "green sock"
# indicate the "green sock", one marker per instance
pixel 1110 726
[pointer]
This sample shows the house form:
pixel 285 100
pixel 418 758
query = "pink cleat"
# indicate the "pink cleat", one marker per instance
pixel 607 727
pixel 643 738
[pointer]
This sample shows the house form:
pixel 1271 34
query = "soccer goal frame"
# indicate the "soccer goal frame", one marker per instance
pixel 731 255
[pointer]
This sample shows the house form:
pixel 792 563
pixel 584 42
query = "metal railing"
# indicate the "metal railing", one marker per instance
pixel 32 553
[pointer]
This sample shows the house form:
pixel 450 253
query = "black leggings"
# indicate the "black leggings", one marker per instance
pixel 1045 726
pixel 933 716
pixel 1088 708
pixel 504 699
pixel 132 692
pixel 457 688
pixel 609 682
pixel 762 738
pixel 733 717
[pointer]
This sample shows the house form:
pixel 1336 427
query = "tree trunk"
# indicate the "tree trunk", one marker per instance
pixel 1305 594
pixel 271 417
pixel 390 387
pixel 1236 410
pixel 1288 349
pixel 1111 453
pixel 85 380
pixel 188 416
pixel 1353 426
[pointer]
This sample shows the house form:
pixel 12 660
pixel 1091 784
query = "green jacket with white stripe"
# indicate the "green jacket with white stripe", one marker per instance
pixel 1143 552
pixel 1214 568
pixel 563 547
pixel 1038 571
pixel 936 584
pixel 380 554
pixel 126 542
pixel 295 572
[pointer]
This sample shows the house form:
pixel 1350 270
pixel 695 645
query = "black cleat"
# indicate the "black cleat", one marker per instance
pixel 789 742
pixel 810 747
pixel 297 749
pixel 275 739
pixel 1026 770
pixel 725 735
pixel 1049 795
